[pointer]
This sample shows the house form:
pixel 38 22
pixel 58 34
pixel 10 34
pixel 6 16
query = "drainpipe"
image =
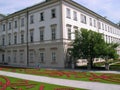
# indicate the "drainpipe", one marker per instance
pixel 27 42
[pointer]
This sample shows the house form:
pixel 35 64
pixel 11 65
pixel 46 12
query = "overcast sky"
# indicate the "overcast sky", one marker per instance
pixel 108 8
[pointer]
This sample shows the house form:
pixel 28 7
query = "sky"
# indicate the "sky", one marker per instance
pixel 106 8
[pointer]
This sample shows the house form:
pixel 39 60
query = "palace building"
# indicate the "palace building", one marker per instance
pixel 42 33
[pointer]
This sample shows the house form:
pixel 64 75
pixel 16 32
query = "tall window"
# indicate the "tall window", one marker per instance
pixel 42 57
pixel 41 33
pixel 68 13
pixel 15 39
pixel 3 40
pixel 99 25
pixel 53 31
pixel 69 31
pixel 31 36
pixel 75 15
pixel 90 21
pixel 83 19
pixel 22 38
pixel 94 23
pixel 21 57
pixel 102 26
pixel 22 22
pixel 4 27
pixel 53 13
pixel 15 56
pixel 31 56
pixel 9 25
pixel 15 24
pixel 9 39
pixel 31 19
pixel 53 57
pixel 42 16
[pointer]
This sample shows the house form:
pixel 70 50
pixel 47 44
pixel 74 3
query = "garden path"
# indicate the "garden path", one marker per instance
pixel 63 82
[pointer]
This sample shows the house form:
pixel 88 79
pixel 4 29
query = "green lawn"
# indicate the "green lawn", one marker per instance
pixel 115 67
pixel 19 84
pixel 72 75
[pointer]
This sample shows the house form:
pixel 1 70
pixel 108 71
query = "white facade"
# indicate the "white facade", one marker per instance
pixel 41 33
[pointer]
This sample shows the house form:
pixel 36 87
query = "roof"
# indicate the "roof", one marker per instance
pixel 44 3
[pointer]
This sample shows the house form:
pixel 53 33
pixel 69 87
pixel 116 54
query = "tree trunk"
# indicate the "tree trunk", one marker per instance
pixel 90 64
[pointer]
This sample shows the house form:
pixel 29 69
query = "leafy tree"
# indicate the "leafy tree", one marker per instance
pixel 89 45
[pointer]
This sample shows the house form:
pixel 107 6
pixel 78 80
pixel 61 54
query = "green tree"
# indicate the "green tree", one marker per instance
pixel 89 45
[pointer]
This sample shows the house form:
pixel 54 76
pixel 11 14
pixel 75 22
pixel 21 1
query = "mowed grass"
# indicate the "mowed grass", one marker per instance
pixel 17 85
pixel 115 67
pixel 71 75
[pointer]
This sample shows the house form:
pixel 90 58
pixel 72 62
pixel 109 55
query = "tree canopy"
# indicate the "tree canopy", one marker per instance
pixel 89 45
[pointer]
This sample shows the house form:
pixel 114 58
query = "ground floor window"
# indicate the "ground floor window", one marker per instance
pixel 53 57
pixel 42 57
pixel 31 57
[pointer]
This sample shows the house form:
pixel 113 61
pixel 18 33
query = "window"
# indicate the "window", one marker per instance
pixel 22 38
pixel 53 13
pixel 41 33
pixel 94 23
pixel 4 27
pixel 99 25
pixel 31 36
pixel 106 27
pixel 69 31
pixel 83 19
pixel 31 56
pixel 22 22
pixel 102 26
pixel 42 16
pixel 42 57
pixel 15 24
pixel 31 19
pixel 14 58
pixel 68 13
pixel 75 15
pixel 9 39
pixel 9 26
pixel 21 57
pixel 53 57
pixel 90 21
pixel 15 39
pixel 3 40
pixel 9 59
pixel 53 32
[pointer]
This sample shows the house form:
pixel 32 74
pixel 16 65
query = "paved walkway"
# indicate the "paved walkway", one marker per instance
pixel 64 82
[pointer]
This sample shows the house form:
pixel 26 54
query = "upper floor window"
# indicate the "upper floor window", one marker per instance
pixel 15 39
pixel 75 15
pixel 15 24
pixel 53 31
pixel 102 26
pixel 68 13
pixel 90 21
pixel 83 19
pixel 41 33
pixel 9 39
pixel 3 40
pixel 42 16
pixel 69 31
pixel 22 38
pixel 9 25
pixel 31 36
pixel 31 19
pixel 99 25
pixel 3 27
pixel 94 23
pixel 106 27
pixel 22 22
pixel 53 13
